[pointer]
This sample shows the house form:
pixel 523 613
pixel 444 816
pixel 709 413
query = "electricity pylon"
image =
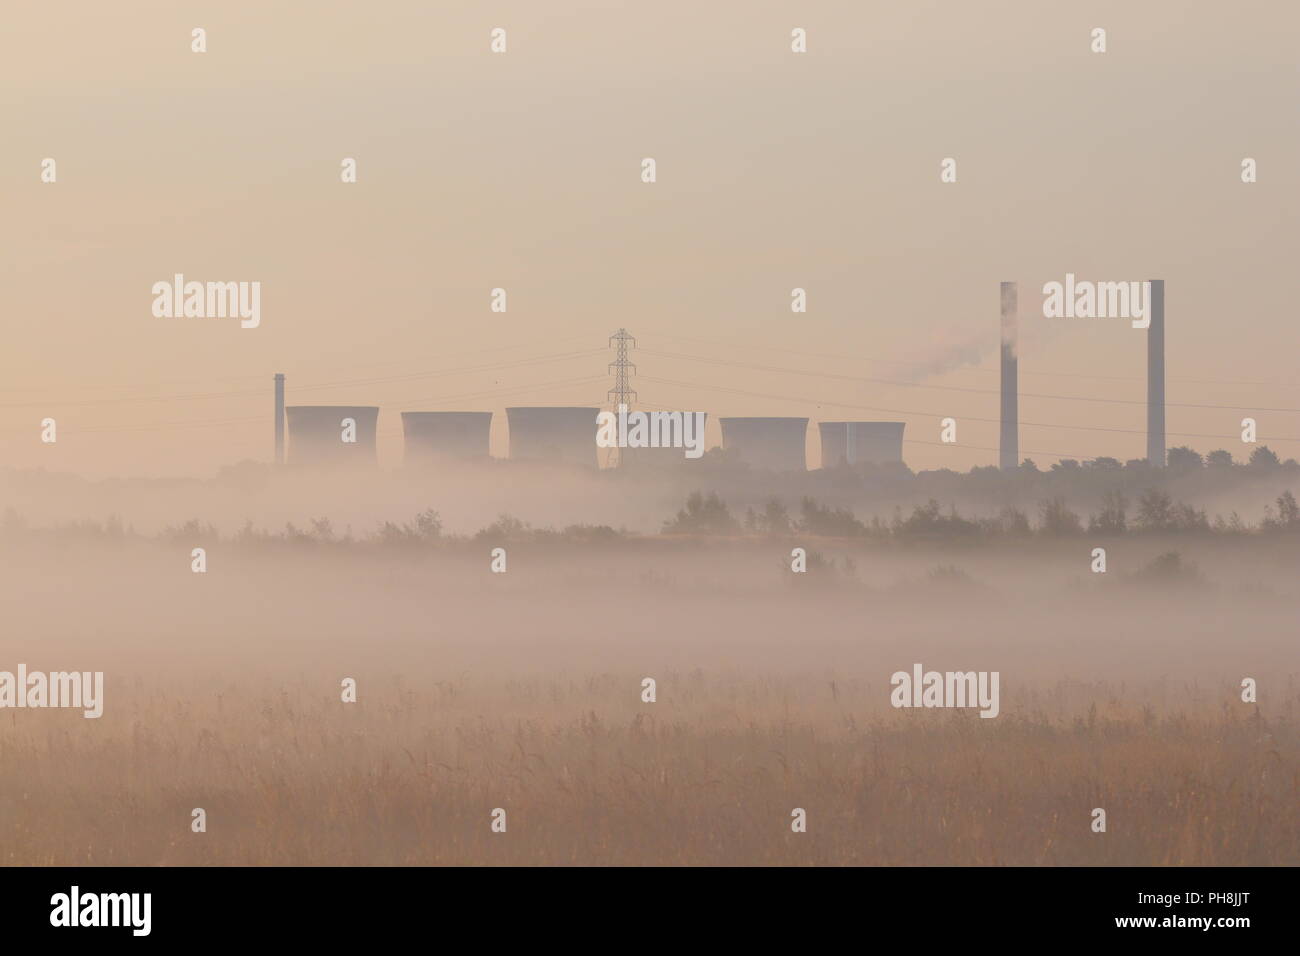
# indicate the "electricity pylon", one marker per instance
pixel 622 393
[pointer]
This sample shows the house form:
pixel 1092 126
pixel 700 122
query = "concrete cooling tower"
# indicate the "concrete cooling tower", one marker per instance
pixel 856 443
pixel 445 436
pixel 318 433
pixel 775 444
pixel 554 434
pixel 665 456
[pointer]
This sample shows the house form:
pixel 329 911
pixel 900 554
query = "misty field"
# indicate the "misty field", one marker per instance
pixel 709 776
pixel 522 691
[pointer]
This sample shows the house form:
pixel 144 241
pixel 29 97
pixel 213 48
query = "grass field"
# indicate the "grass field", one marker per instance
pixel 523 692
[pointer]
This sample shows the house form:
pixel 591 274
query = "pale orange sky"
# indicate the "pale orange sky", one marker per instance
pixel 521 170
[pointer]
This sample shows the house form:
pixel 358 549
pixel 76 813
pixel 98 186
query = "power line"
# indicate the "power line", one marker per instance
pixel 904 411
pixel 978 368
pixel 463 370
pixel 508 390
pixel 518 363
pixel 261 376
pixel 953 388
pixel 588 380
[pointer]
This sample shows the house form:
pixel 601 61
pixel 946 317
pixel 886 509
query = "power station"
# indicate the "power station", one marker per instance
pixel 1009 446
pixel 774 444
pixel 859 443
pixel 554 434
pixel 332 435
pixel 665 456
pixel 432 437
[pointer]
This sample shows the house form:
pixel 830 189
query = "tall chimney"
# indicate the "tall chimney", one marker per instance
pixel 279 418
pixel 1009 451
pixel 1156 375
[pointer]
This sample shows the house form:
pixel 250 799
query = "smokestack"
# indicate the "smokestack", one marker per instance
pixel 279 418
pixel 1156 375
pixel 1009 450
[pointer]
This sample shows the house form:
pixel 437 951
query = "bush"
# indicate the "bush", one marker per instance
pixel 703 515
pixel 1056 519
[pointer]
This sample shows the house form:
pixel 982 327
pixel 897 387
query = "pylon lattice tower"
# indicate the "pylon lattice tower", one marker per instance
pixel 622 393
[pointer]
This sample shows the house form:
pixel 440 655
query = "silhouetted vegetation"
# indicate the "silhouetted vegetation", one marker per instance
pixel 1157 512
pixel 703 514
pixel 828 522
pixel 1170 570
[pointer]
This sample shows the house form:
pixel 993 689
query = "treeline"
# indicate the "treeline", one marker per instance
pixel 425 530
pixel 1178 459
pixel 879 488
pixel 1154 511
pixel 1182 461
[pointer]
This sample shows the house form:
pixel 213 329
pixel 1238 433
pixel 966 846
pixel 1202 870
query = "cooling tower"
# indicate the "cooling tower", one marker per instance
pixel 856 443
pixel 1156 375
pixel 443 436
pixel 554 434
pixel 776 444
pixel 1009 447
pixel 667 455
pixel 318 433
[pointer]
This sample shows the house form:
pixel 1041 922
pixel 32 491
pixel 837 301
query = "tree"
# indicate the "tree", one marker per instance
pixel 1169 569
pixel 827 521
pixel 428 525
pixel 1188 518
pixel 1234 524
pixel 1288 513
pixel 1056 519
pixel 1155 511
pixel 703 515
pixel 929 521
pixel 1013 521
pixel 1264 457
pixel 773 520
pixel 1219 459
pixel 506 528
pixel 1185 458
pixel 1104 464
pixel 426 529
pixel 1113 517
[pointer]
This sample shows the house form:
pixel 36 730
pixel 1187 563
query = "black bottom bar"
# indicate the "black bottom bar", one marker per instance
pixel 978 906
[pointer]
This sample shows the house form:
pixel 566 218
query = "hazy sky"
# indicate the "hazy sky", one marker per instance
pixel 522 170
